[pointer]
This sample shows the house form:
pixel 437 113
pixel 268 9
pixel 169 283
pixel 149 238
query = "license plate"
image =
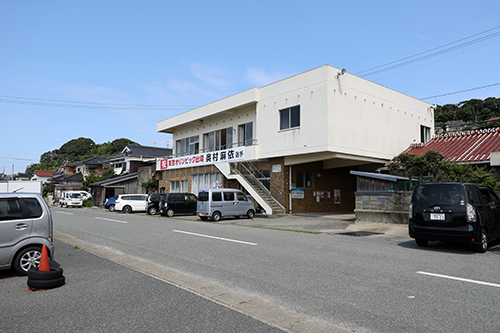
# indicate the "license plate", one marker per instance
pixel 437 217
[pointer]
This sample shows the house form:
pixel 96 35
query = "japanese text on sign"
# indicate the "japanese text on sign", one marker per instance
pixel 228 155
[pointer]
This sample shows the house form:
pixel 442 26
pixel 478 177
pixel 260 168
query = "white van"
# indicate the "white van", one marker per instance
pixel 222 202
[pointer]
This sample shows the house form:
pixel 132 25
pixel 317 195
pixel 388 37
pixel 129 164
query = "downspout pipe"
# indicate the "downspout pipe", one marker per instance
pixel 290 189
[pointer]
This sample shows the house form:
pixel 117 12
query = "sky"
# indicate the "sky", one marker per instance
pixel 112 69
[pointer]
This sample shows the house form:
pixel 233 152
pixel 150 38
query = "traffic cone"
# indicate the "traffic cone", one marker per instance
pixel 44 261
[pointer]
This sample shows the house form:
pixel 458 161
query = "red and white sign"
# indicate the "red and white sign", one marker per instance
pixel 213 157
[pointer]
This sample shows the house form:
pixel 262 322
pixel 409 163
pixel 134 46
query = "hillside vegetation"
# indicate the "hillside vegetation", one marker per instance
pixel 474 111
pixel 78 150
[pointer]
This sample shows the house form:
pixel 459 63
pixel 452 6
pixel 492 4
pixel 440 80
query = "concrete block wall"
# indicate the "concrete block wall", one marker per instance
pixel 387 207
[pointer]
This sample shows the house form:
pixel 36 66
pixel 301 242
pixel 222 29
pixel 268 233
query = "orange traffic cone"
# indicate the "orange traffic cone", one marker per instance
pixel 44 261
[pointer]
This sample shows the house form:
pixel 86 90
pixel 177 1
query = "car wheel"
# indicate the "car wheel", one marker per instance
pixel 421 242
pixel 54 273
pixel 216 216
pixel 27 258
pixel 127 209
pixel 250 214
pixel 46 284
pixel 152 211
pixel 111 208
pixel 170 213
pixel 204 218
pixel 483 245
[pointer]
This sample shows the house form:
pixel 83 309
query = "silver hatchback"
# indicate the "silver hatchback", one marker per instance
pixel 25 226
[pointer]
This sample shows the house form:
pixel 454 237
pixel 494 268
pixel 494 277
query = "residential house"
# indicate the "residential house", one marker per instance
pixel 42 175
pixel 134 157
pixel 455 126
pixel 473 147
pixel 292 144
pixel 23 176
pixel 65 182
pixel 89 165
pixel 134 165
pixel 127 183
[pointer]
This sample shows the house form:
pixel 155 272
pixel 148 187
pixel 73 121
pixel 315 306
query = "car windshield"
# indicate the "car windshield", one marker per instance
pixel 75 195
pixel 442 194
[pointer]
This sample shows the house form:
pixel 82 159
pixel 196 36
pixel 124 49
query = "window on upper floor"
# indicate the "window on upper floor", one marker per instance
pixel 218 140
pixel 290 118
pixel 245 134
pixel 188 146
pixel 425 134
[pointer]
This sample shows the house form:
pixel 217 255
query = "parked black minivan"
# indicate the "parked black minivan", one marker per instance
pixel 456 212
pixel 177 203
pixel 154 203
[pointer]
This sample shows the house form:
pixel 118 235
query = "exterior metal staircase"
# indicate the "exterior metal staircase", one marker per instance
pixel 269 199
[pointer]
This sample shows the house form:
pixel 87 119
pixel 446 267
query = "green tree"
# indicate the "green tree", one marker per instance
pixel 78 150
pixel 151 185
pixel 440 169
pixel 412 166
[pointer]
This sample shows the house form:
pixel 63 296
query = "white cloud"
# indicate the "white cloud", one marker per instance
pixel 217 78
pixel 259 77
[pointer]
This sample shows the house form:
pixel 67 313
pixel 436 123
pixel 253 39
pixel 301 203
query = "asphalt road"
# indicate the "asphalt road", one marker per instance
pixel 103 296
pixel 297 281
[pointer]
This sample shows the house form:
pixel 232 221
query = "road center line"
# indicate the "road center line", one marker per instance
pixel 461 279
pixel 213 237
pixel 65 213
pixel 110 220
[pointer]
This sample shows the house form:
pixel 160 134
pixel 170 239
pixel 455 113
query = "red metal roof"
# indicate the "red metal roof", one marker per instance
pixel 43 173
pixel 462 147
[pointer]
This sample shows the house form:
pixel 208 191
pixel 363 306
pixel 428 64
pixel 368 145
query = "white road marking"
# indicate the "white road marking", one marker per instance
pixel 461 279
pixel 110 220
pixel 213 237
pixel 65 213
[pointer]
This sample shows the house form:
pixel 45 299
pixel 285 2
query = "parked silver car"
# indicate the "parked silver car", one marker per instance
pixel 25 226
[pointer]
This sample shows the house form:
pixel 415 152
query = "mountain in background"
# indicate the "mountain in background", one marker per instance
pixel 78 150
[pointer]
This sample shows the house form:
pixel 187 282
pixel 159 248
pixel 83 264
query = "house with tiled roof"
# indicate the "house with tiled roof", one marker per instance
pixel 42 175
pixel 89 165
pixel 378 198
pixel 472 147
pixel 134 157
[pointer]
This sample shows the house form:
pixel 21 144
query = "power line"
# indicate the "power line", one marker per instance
pixel 426 54
pixel 461 91
pixel 88 105
pixel 17 158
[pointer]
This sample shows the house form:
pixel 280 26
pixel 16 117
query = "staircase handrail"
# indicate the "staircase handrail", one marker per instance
pixel 262 186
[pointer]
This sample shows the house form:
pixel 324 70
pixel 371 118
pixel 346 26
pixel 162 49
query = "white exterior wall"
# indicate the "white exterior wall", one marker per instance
pixel 344 118
pixel 224 120
pixel 368 119
pixel 307 90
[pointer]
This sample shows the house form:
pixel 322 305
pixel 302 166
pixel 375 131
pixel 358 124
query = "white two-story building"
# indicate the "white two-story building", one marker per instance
pixel 291 144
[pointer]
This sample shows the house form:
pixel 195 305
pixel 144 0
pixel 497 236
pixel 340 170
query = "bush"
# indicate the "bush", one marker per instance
pixel 88 203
